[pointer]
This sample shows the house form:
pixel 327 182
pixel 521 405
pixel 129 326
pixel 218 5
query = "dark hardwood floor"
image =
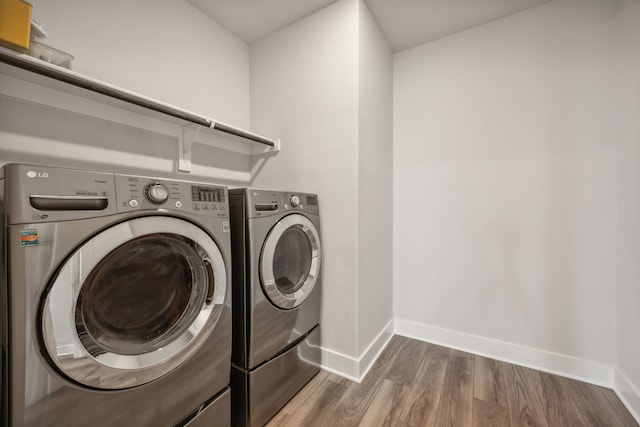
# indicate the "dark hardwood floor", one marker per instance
pixel 419 384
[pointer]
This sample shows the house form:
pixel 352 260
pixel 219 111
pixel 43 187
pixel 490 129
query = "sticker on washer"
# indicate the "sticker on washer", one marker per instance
pixel 29 237
pixel 225 226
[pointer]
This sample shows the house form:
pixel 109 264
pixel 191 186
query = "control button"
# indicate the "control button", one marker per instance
pixel 178 204
pixel 156 193
pixel 286 206
pixel 133 203
pixel 295 200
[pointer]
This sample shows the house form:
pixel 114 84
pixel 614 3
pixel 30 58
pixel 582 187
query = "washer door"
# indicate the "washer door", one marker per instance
pixel 290 261
pixel 134 302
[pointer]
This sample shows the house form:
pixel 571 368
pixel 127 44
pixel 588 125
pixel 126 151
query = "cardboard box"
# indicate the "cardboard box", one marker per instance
pixel 15 24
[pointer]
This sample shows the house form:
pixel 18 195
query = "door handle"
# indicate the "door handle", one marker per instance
pixel 212 282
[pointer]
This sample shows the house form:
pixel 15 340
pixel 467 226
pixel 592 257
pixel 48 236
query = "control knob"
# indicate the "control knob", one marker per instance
pixel 294 200
pixel 156 193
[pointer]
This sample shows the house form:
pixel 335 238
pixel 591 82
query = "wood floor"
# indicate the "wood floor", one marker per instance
pixel 419 384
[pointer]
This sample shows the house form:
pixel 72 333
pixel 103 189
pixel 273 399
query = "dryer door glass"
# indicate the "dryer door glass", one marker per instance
pixel 290 261
pixel 139 297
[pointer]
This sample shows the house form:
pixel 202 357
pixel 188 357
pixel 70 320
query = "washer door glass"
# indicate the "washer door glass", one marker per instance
pixel 290 262
pixel 142 295
pixel 139 297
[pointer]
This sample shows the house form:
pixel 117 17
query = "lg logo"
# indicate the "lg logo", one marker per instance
pixel 33 174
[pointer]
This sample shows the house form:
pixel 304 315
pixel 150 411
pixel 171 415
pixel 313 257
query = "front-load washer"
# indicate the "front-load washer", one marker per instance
pixel 118 302
pixel 275 241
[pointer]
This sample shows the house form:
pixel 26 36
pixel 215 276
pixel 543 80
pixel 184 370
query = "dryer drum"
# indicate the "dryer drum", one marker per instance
pixel 139 297
pixel 292 260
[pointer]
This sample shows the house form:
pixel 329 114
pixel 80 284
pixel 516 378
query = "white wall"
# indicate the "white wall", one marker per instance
pixel 304 89
pixel 311 86
pixel 505 189
pixel 162 49
pixel 628 316
pixel 375 184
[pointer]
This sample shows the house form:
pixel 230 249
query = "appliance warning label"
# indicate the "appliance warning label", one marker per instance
pixel 29 237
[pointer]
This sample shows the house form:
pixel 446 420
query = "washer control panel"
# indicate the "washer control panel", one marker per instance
pixel 156 193
pixel 294 200
pixel 38 194
pixel 140 193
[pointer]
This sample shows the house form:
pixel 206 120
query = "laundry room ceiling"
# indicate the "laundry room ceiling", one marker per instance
pixel 404 23
pixel 252 20
pixel 409 23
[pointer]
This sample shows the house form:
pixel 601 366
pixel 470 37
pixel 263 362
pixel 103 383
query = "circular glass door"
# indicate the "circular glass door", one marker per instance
pixel 134 302
pixel 290 261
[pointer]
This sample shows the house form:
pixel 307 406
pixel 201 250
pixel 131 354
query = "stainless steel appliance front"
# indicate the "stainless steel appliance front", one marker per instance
pixel 276 299
pixel 119 310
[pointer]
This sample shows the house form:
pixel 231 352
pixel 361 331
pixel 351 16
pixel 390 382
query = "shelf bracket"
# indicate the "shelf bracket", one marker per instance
pixel 185 144
pixel 260 150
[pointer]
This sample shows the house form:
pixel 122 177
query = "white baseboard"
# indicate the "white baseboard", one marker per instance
pixel 369 356
pixel 340 364
pixel 628 393
pixel 567 366
pixel 353 368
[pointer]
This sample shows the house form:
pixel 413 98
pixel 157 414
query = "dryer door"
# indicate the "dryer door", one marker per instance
pixel 134 302
pixel 290 261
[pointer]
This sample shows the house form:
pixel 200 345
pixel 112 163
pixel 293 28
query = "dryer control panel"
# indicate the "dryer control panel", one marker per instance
pixel 265 203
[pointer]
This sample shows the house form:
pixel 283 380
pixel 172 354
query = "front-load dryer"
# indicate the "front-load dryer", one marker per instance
pixel 118 302
pixel 276 300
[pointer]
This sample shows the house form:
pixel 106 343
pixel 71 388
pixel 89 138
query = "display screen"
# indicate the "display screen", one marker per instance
pixel 207 194
pixel 312 200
